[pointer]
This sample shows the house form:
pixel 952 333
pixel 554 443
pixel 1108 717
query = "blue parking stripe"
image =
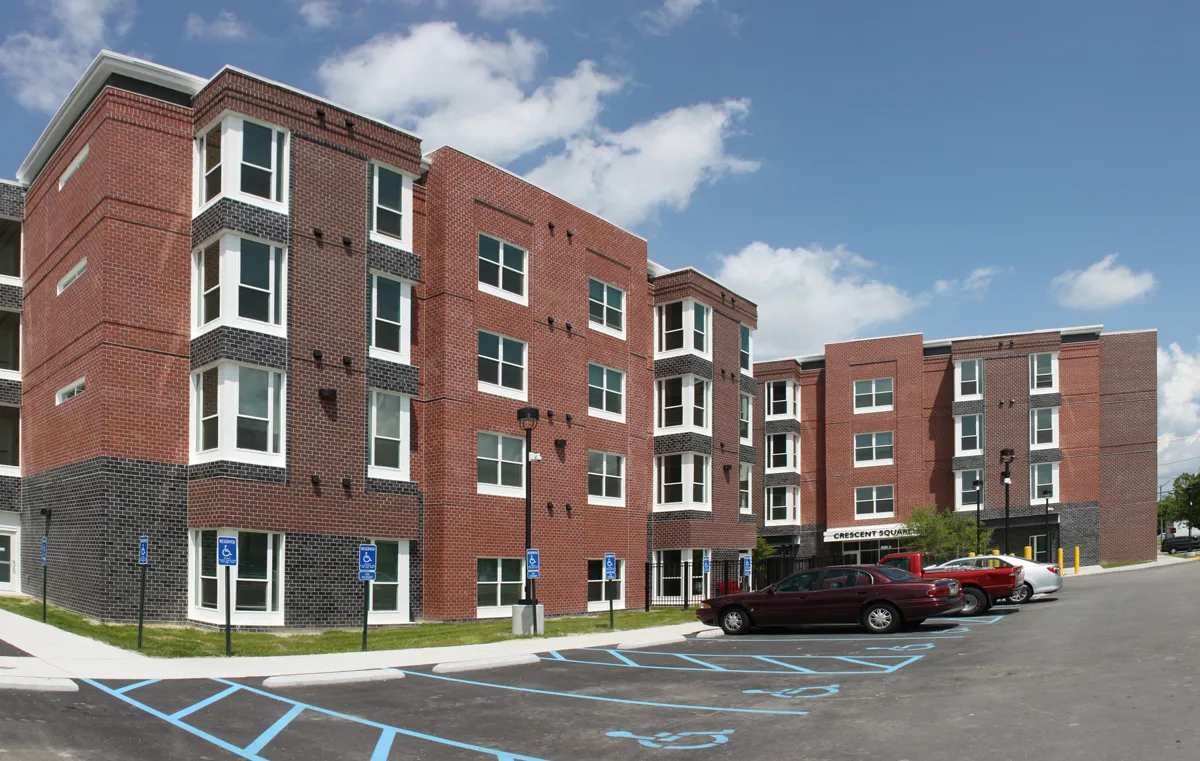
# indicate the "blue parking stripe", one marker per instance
pixel 135 685
pixel 384 746
pixel 206 702
pixel 766 659
pixel 261 741
pixel 618 656
pixel 712 666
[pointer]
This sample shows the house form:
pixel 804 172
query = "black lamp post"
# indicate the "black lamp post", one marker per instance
pixel 528 418
pixel 1006 457
pixel 1047 492
pixel 978 522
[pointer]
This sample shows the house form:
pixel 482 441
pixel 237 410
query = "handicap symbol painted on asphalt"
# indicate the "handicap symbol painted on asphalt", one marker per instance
pixel 665 740
pixel 905 648
pixel 798 692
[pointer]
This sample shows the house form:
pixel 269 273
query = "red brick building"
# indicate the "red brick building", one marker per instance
pixel 889 424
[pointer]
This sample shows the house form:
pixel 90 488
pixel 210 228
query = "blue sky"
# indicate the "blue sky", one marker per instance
pixel 857 169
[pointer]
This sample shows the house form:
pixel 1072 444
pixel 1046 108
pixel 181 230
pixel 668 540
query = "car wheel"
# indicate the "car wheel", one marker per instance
pixel 735 620
pixel 1021 594
pixel 976 602
pixel 881 618
pixel 1171 551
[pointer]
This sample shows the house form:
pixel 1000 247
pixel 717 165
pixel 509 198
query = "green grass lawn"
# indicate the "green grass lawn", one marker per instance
pixel 183 642
pixel 1122 565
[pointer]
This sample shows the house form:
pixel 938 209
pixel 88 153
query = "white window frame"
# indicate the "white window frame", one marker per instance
pixel 791 399
pixel 400 473
pixel 791 506
pixel 19 278
pixel 746 469
pixel 605 414
pixel 10 526
pixel 687 474
pixel 686 559
pixel 874 395
pixel 496 389
pixel 70 391
pixel 792 450
pixel 746 405
pixel 73 167
pixel 228 379
pixel 404 242
pixel 521 298
pixel 496 611
pixel 73 274
pixel 237 617
pixel 1055 482
pixel 1053 443
pixel 599 499
pixel 402 614
pixel 232 160
pixel 874 502
pixel 404 356
pixel 689 328
pixel 16 374
pixel 959 483
pixel 601 327
pixel 498 489
pixel 958 436
pixel 959 396
pixel 14 470
pixel 1053 389
pixel 230 283
pixel 618 602
pixel 875 446
pixel 748 370
pixel 688 386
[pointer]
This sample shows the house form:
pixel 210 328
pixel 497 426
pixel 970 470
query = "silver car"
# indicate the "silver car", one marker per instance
pixel 1040 578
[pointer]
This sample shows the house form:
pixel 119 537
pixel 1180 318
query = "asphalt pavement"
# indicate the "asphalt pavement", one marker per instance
pixel 1104 671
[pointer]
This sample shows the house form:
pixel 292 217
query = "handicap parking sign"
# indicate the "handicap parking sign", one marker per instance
pixel 226 550
pixel 706 564
pixel 367 554
pixel 44 550
pixel 746 566
pixel 610 566
pixel 533 565
pixel 144 550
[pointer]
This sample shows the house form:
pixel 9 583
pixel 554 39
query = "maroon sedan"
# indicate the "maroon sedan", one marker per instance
pixel 879 598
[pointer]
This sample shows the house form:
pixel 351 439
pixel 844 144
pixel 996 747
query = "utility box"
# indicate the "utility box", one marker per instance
pixel 524 618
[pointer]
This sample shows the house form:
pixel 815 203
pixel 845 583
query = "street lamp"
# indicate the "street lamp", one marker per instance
pixel 978 523
pixel 1047 492
pixel 1006 457
pixel 528 418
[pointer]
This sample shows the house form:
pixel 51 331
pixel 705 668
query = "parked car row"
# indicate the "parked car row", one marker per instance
pixel 1184 543
pixel 901 592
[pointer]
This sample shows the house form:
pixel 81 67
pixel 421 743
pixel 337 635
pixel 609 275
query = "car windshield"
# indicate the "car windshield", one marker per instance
pixel 896 574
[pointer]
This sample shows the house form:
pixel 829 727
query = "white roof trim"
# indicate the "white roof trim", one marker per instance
pixel 1128 332
pixel 10 182
pixel 1064 331
pixel 871 338
pixel 698 271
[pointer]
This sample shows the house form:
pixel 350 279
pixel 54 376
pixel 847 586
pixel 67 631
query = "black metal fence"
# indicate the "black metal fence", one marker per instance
pixel 674 585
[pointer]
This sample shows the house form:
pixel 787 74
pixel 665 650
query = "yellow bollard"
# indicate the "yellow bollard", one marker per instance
pixel 1060 561
pixel 1028 552
pixel 1076 561
pixel 995 552
pixel 971 554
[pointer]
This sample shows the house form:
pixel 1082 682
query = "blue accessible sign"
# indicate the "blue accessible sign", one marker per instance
pixel 367 557
pixel 610 566
pixel 144 550
pixel 44 548
pixel 226 550
pixel 706 564
pixel 746 566
pixel 533 564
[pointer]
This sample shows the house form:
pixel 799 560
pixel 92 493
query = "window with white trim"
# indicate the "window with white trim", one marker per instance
pixel 874 395
pixel 501 365
pixel 782 399
pixel 682 481
pixel 391 194
pixel 601 590
pixel 782 504
pixel 673 569
pixel 964 489
pixel 683 403
pixel 606 308
pixel 968 435
pixel 873 449
pixel 683 327
pixel 874 501
pixel 238 414
pixel 606 479
pixel 70 391
pixel 255 300
pixel 700 323
pixel 1043 373
pixel 499 584
pixel 745 352
pixel 10 344
pixel 389 436
pixel 10 440
pixel 72 275
pixel 502 269
pixel 606 392
pixel 389 590
pixel 782 452
pixel 73 167
pixel 1043 428
pixel 10 249
pixel 499 464
pixel 257 153
pixel 391 313
pixel 745 416
pixel 257 596
pixel 968 380
pixel 744 478
pixel 1043 480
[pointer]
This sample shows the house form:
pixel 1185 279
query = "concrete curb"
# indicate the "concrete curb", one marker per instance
pixel 710 634
pixel 673 639
pixel 479 664
pixel 38 684
pixel 333 677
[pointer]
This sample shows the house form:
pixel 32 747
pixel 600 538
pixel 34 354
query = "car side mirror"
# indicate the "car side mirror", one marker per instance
pixel 770 590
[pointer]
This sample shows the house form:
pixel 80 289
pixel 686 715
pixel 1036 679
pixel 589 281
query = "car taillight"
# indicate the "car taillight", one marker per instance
pixel 1052 568
pixel 942 591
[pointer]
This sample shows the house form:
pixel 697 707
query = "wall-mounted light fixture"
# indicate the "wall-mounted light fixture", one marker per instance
pixel 570 327
pixel 347 240
pixel 349 124
pixel 347 482
pixel 549 414
pixel 560 443
pixel 728 467
pixel 318 355
pixel 347 360
pixel 551 226
pixel 570 234
pixel 568 506
pixel 570 417
pixel 321 114
pixel 327 394
pixel 316 480
pixel 318 233
pixel 549 320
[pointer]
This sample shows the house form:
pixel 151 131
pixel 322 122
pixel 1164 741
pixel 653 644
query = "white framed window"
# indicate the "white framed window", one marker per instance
pixel 968 435
pixel 782 453
pixel 499 584
pixel 241 158
pixel 257 596
pixel 499 465
pixel 874 502
pixel 744 478
pixel 10 440
pixel 502 369
pixel 746 353
pixel 683 327
pixel 239 282
pixel 681 481
pixel 968 380
pixel 782 505
pixel 964 489
pixel 1043 428
pixel 502 269
pixel 606 393
pixel 783 400
pixel 873 449
pixel 391 194
pixel 1043 373
pixel 683 403
pixel 675 568
pixel 11 239
pixel 606 308
pixel 72 275
pixel 70 391
pixel 10 344
pixel 874 395
pixel 1043 479
pixel 600 590
pixel 391 315
pixel 389 436
pixel 745 416
pixel 73 167
pixel 606 479
pixel 238 413
pixel 389 591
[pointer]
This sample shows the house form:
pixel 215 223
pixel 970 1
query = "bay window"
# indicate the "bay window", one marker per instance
pixel 783 452
pixel 238 414
pixel 744 470
pixel 239 282
pixel 783 505
pixel 257 155
pixel 675 321
pixel 745 415
pixel 389 436
pixel 683 403
pixel 682 481
pixel 257 593
pixel 1043 373
pixel 745 357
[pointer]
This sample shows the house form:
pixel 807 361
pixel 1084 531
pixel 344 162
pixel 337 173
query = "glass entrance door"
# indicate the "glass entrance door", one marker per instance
pixel 1041 548
pixel 7 580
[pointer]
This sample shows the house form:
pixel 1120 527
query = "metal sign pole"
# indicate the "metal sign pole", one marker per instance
pixel 228 614
pixel 611 623
pixel 141 607
pixel 366 597
pixel 43 579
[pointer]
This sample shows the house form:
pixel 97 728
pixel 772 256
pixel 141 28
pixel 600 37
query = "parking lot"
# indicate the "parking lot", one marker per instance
pixel 1104 671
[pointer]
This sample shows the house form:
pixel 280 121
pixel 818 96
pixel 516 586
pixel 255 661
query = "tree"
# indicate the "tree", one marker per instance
pixel 1174 505
pixel 762 549
pixel 943 534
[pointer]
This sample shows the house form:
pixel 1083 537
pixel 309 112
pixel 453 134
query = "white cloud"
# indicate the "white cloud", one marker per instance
pixel 497 10
pixel 1178 410
pixel 975 284
pixel 320 14
pixel 669 15
pixel 42 65
pixel 1101 285
pixel 626 176
pixel 225 26
pixel 808 297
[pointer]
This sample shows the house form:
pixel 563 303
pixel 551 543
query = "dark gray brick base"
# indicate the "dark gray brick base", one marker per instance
pixel 241 346
pixel 12 201
pixel 239 217
pixel 10 493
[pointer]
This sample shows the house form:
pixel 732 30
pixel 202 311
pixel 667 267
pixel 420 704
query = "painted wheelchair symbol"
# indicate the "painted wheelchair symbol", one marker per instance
pixel 665 740
pixel 798 692
pixel 226 552
pixel 906 648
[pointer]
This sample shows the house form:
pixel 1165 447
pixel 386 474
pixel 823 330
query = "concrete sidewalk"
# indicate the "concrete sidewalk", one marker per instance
pixel 1092 570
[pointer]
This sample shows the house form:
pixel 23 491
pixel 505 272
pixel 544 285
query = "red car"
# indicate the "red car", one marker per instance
pixel 981 586
pixel 879 598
